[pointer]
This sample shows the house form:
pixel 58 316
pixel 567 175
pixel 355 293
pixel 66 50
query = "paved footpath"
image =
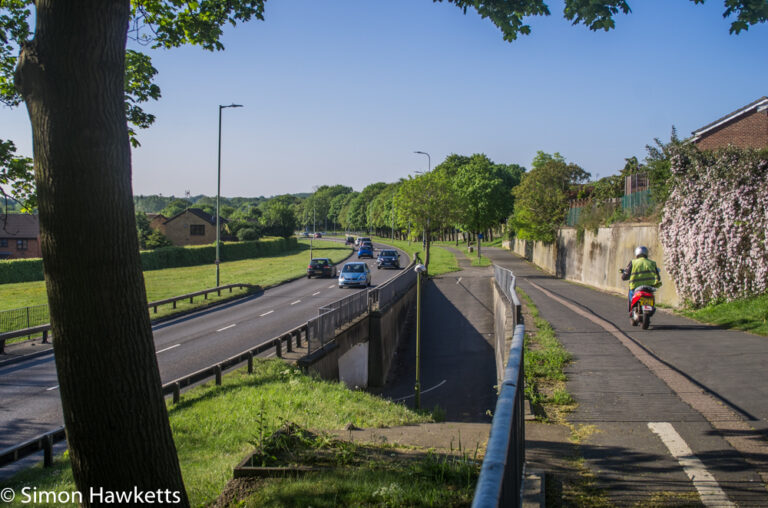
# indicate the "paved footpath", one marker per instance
pixel 674 413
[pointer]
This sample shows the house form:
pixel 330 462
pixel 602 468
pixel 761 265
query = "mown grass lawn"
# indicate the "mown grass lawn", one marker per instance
pixel 161 284
pixel 441 261
pixel 215 427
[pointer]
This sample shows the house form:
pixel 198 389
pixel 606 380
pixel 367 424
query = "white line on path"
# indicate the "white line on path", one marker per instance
pixel 458 280
pixel 51 388
pixel 313 294
pixel 710 492
pixel 438 385
pixel 297 301
pixel 330 287
pixel 266 313
pixel 166 349
pixel 227 327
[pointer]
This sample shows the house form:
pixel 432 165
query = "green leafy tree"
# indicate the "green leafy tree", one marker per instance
pixel 71 74
pixel 541 199
pixel 142 229
pixel 658 166
pixel 483 195
pixel 279 217
pixel 175 207
pixel 427 203
pixel 16 173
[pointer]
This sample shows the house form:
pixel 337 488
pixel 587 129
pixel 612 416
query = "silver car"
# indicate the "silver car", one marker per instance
pixel 355 274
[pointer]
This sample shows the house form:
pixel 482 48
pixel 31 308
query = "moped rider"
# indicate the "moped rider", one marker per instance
pixel 641 271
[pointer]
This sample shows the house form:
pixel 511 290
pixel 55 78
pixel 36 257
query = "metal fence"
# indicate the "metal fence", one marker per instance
pixel 506 280
pixel 394 288
pixel 501 477
pixel 322 329
pixel 25 317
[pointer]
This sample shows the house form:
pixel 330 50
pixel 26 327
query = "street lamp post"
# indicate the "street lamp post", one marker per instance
pixel 218 196
pixel 418 269
pixel 429 169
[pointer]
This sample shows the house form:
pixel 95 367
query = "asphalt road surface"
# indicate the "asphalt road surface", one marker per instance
pixel 29 398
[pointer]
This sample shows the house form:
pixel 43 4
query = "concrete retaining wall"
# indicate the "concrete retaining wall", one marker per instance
pixel 596 260
pixel 378 334
pixel 388 326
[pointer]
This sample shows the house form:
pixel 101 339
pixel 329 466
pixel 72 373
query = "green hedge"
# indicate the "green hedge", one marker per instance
pixel 28 270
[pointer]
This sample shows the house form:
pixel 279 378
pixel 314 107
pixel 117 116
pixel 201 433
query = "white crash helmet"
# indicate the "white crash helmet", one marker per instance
pixel 641 251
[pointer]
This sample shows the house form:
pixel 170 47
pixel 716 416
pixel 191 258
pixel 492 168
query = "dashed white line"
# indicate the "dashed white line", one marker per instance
pixel 166 349
pixel 267 313
pixel 227 327
pixel 317 293
pixel 297 301
pixel 709 490
pixel 458 280
pixel 51 388
pixel 331 287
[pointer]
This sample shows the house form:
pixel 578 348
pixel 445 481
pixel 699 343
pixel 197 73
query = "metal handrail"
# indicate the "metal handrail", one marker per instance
pixel 44 329
pixel 501 476
pixel 46 441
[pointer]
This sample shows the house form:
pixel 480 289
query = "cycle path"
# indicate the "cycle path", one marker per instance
pixel 675 413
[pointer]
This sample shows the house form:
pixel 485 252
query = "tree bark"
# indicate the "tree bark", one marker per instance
pixel 71 76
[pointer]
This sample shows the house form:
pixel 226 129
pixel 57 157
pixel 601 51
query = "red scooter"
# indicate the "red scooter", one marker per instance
pixel 643 306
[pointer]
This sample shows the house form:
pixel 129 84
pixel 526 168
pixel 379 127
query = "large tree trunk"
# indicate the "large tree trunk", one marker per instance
pixel 72 76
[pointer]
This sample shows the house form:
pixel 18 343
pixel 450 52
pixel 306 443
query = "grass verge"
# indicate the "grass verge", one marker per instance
pixel 265 271
pixel 545 361
pixel 441 261
pixel 215 427
pixel 750 314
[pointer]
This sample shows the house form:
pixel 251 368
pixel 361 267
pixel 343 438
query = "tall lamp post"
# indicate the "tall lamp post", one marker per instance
pixel 417 388
pixel 218 196
pixel 429 168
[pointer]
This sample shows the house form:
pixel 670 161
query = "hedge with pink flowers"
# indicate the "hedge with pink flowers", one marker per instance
pixel 715 224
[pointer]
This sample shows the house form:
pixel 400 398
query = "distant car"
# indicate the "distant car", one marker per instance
pixel 305 234
pixel 365 250
pixel 350 239
pixel 354 274
pixel 360 239
pixel 322 267
pixel 388 258
pixel 318 235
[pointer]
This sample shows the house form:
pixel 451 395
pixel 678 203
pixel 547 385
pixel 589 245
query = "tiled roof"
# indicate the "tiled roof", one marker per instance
pixel 19 225
pixel 210 219
pixel 759 104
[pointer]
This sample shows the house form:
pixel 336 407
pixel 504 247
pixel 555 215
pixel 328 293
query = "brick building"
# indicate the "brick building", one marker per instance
pixel 744 128
pixel 190 227
pixel 19 236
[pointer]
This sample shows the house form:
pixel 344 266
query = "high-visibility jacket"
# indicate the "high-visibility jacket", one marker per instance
pixel 644 273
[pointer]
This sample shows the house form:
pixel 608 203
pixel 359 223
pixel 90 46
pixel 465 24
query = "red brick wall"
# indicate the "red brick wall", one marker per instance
pixel 749 131
pixel 32 251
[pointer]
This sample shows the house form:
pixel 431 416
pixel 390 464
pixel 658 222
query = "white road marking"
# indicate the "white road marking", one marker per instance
pixel 166 349
pixel 51 388
pixel 227 327
pixel 313 294
pixel 331 287
pixel 709 490
pixel 441 383
pixel 458 280
pixel 267 313
pixel 297 301
pixel 270 355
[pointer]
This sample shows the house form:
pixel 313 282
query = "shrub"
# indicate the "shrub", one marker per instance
pixel 715 223
pixel 20 270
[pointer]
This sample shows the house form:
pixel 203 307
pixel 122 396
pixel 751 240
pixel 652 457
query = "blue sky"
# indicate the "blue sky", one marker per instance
pixel 343 91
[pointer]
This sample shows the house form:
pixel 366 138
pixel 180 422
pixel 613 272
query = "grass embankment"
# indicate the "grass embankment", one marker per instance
pixel 163 284
pixel 215 427
pixel 750 314
pixel 441 261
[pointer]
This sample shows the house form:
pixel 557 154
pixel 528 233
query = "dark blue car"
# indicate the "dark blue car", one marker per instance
pixel 365 250
pixel 388 258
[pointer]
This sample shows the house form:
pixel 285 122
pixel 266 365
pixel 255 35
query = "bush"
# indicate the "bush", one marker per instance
pixel 20 270
pixel 716 222
pixel 247 235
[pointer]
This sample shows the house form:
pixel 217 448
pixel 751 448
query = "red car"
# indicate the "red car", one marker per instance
pixel 318 235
